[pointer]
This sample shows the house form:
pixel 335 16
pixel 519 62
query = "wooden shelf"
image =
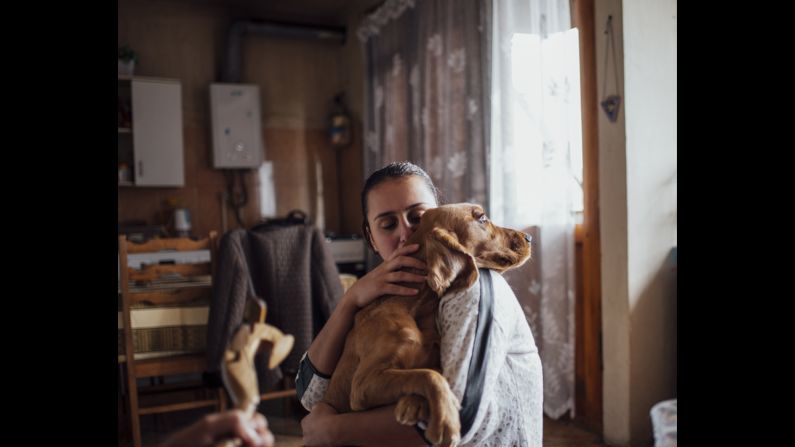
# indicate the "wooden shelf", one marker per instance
pixel 178 244
pixel 168 286
pixel 178 407
pixel 184 364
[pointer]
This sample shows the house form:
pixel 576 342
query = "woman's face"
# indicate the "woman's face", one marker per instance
pixel 394 210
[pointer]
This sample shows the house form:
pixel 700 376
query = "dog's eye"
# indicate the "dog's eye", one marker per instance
pixel 482 218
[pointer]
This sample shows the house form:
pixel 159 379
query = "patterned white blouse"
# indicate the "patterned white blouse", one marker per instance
pixel 508 407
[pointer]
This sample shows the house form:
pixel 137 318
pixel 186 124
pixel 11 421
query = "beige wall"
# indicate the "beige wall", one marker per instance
pixel 650 71
pixel 613 224
pixel 638 216
pixel 297 80
pixel 353 70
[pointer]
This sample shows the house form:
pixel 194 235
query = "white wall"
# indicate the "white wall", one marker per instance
pixel 650 71
pixel 613 224
pixel 638 215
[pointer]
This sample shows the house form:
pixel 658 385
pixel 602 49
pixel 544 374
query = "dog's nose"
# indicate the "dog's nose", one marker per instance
pixel 527 237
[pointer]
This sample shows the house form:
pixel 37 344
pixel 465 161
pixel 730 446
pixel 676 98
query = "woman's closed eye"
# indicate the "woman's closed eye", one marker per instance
pixel 387 224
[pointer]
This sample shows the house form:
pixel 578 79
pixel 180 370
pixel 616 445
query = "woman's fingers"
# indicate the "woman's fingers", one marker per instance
pixel 404 250
pixel 383 279
pixel 405 277
pixel 403 261
pixel 407 261
pixel 261 426
pixel 246 430
pixel 219 426
pixel 259 421
pixel 394 289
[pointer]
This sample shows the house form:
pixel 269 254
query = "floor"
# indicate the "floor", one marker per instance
pixel 287 430
pixel 556 434
pixel 565 434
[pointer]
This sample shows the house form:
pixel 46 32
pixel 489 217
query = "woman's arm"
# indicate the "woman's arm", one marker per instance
pixel 326 348
pixel 324 427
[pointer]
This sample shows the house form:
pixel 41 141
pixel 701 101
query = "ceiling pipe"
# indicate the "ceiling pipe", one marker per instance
pixel 234 47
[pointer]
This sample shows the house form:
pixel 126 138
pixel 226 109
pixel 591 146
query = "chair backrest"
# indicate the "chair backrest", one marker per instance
pixel 165 286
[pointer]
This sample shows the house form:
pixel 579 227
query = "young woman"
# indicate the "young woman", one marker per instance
pixel 508 409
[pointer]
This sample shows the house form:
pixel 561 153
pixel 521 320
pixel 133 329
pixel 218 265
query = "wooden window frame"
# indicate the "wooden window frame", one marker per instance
pixel 588 312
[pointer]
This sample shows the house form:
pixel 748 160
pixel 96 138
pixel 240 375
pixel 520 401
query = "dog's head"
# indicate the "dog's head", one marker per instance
pixel 459 238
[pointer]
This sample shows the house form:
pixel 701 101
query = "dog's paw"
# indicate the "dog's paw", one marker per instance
pixel 444 427
pixel 447 433
pixel 410 409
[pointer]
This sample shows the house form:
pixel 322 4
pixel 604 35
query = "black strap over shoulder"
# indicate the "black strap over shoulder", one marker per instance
pixel 476 375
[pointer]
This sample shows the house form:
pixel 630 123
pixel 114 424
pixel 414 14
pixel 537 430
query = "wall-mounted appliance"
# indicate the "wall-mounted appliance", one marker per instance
pixel 236 126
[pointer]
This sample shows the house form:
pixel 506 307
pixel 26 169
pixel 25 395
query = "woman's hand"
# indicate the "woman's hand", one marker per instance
pixel 218 426
pixel 326 348
pixel 317 426
pixel 382 279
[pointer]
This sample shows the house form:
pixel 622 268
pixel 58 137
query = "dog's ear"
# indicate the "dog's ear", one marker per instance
pixel 450 267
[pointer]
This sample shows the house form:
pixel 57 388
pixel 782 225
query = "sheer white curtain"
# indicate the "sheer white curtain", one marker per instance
pixel 535 171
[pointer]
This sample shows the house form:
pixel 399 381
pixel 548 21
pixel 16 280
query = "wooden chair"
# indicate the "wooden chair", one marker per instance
pixel 165 287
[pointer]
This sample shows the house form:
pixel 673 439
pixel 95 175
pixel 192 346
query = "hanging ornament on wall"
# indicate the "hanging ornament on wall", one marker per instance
pixel 611 104
pixel 340 136
pixel 339 124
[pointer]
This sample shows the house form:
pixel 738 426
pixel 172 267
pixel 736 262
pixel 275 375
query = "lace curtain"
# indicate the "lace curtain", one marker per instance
pixel 484 95
pixel 424 97
pixel 535 171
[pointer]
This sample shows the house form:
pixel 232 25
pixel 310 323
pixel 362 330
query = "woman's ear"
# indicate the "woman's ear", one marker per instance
pixel 450 267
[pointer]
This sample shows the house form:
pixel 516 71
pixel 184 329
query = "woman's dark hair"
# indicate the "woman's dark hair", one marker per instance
pixel 391 171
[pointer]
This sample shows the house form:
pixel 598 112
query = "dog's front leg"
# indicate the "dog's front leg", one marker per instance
pixel 374 387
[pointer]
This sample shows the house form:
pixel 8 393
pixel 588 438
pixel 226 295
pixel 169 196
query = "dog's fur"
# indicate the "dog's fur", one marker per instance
pixel 391 354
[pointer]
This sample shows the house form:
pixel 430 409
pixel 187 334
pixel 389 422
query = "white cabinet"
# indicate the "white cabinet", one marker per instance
pixel 150 146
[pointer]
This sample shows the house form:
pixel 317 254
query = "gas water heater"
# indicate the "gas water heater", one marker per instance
pixel 237 129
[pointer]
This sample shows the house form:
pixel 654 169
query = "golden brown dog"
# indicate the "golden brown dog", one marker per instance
pixel 392 352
